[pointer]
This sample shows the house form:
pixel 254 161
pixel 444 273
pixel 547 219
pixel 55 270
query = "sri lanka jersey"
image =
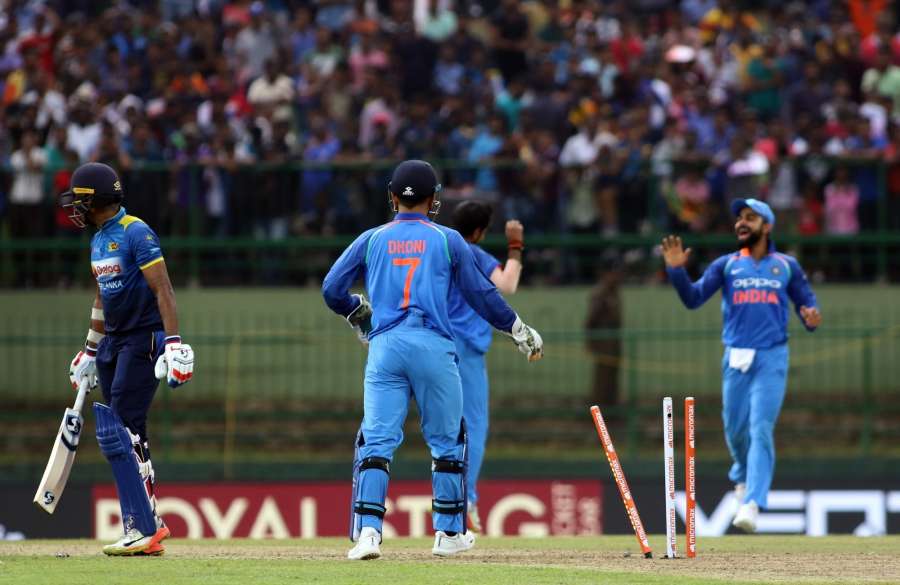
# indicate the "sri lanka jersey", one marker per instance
pixel 123 247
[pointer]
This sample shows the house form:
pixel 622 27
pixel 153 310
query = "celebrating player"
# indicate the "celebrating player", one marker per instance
pixel 409 266
pixel 756 284
pixel 133 341
pixel 473 334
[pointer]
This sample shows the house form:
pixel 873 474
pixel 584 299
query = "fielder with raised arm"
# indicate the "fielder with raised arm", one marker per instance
pixel 132 343
pixel 474 335
pixel 409 266
pixel 757 283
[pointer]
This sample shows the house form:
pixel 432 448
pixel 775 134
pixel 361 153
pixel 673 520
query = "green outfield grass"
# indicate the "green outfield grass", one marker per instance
pixel 569 561
pixel 284 343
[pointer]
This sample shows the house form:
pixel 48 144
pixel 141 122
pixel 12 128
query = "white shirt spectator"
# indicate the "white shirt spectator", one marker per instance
pixel 83 139
pixel 264 92
pixel 581 149
pixel 752 163
pixel 28 184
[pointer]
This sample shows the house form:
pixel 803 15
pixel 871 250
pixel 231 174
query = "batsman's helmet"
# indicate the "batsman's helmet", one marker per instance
pixel 414 181
pixel 94 186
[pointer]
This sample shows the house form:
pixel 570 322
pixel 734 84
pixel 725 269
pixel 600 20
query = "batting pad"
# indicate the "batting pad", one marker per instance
pixel 116 446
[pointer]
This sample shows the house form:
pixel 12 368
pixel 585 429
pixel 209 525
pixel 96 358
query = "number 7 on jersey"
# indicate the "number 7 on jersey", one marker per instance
pixel 412 263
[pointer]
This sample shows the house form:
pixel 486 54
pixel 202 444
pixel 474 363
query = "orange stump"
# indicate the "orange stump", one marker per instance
pixel 621 483
pixel 690 478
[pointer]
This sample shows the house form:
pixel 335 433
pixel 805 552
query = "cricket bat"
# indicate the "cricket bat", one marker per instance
pixel 63 454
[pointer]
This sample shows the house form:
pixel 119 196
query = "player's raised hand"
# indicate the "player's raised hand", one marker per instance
pixel 515 232
pixel 674 253
pixel 176 364
pixel 812 318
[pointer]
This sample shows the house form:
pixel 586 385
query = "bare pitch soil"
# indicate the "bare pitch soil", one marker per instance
pixel 748 559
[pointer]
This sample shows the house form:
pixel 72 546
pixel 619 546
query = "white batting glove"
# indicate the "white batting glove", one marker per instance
pixel 527 340
pixel 84 365
pixel 176 364
pixel 361 319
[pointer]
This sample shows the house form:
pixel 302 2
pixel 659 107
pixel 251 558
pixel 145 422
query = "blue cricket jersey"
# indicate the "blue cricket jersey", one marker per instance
pixel 122 247
pixel 754 295
pixel 410 264
pixel 464 321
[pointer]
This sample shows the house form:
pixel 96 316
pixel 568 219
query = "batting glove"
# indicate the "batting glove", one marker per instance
pixel 84 365
pixel 361 319
pixel 527 340
pixel 176 364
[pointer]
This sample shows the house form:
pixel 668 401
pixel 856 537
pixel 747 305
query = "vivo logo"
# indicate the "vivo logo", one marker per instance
pixel 803 512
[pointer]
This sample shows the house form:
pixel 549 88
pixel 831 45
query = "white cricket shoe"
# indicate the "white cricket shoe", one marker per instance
pixel 474 519
pixel 446 546
pixel 135 543
pixel 746 517
pixel 367 547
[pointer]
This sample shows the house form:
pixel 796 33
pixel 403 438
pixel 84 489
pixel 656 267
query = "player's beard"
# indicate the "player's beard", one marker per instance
pixel 751 239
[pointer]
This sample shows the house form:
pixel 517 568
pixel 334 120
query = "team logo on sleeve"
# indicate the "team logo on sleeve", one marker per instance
pixel 113 246
pixel 776 271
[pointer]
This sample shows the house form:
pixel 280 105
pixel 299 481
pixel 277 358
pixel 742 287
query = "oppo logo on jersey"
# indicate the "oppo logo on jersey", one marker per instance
pixel 106 267
pixel 406 246
pixel 756 282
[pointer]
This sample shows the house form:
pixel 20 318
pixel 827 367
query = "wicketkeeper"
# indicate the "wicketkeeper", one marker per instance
pixel 132 343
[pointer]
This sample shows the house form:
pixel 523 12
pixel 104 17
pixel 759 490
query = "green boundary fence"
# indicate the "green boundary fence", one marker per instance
pixel 279 378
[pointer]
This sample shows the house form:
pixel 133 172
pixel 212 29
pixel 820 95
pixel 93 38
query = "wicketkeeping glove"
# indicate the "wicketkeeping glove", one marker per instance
pixel 176 364
pixel 527 340
pixel 361 319
pixel 84 365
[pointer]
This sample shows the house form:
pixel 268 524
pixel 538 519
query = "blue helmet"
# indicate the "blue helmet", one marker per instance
pixel 94 186
pixel 414 181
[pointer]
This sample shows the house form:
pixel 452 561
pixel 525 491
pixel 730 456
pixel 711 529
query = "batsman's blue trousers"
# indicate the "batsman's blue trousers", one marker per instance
pixel 125 367
pixel 751 403
pixel 473 374
pixel 412 360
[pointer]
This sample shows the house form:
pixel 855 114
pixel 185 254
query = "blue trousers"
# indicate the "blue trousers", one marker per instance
pixel 412 361
pixel 125 368
pixel 473 374
pixel 751 403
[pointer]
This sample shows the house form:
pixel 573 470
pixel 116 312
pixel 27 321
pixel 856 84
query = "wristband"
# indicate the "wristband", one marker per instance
pixel 516 245
pixel 95 336
pixel 172 339
pixel 90 351
pixel 97 314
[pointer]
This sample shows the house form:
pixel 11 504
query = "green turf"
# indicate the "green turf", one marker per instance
pixel 739 560
pixel 284 343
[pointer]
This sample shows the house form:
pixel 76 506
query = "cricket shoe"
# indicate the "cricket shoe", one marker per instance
pixel 134 543
pixel 746 517
pixel 447 546
pixel 367 547
pixel 155 550
pixel 474 519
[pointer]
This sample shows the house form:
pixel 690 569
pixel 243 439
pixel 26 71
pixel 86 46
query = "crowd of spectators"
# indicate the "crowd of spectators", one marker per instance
pixel 574 116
